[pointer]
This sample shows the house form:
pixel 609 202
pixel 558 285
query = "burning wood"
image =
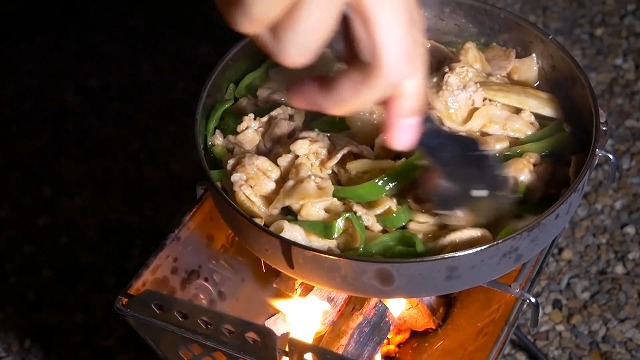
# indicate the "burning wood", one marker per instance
pixel 281 323
pixel 360 330
pixel 421 314
pixel 417 315
pixel 353 327
pixel 292 286
pixel 303 316
pixel 395 338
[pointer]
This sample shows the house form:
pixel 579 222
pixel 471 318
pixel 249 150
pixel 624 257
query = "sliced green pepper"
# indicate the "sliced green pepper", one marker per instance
pixel 396 219
pixel 217 175
pixel 217 112
pixel 332 229
pixel 219 152
pixel 250 83
pixel 231 90
pixel 330 124
pixel 556 143
pixel 522 189
pixel 548 131
pixel 507 231
pixel 545 121
pixel 239 68
pixel 400 243
pixel 214 119
pixel 229 123
pixel 290 218
pixel 383 185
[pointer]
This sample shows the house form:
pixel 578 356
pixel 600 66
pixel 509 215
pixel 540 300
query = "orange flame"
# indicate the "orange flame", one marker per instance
pixel 395 306
pixel 303 315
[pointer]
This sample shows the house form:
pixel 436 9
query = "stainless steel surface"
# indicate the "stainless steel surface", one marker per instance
pixel 523 295
pixel 186 316
pixel 461 174
pixel 203 290
pixel 525 282
pixel 613 164
pixel 211 331
pixel 481 320
pixel 603 130
pixel 449 21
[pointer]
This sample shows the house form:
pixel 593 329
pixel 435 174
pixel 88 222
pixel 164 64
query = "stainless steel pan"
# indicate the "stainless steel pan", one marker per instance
pixel 448 21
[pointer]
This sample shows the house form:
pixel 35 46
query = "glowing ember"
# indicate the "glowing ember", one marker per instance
pixel 395 306
pixel 303 315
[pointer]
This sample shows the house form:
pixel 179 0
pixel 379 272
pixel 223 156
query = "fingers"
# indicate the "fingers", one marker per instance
pixel 389 38
pixel 303 32
pixel 252 17
pixel 291 32
pixel 404 117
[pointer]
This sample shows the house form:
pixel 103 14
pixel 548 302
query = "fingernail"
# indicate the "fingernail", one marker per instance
pixel 403 134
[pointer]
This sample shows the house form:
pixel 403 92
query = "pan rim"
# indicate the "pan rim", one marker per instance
pixel 590 161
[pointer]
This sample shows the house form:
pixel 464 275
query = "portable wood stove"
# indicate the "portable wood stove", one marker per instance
pixel 204 296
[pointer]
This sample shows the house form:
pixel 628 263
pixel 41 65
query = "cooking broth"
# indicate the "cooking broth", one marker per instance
pixel 312 178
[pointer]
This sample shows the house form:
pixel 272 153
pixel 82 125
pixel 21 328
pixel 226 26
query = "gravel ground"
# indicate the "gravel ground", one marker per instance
pixel 589 289
pixel 97 111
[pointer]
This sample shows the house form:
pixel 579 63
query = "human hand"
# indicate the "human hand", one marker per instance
pixel 389 69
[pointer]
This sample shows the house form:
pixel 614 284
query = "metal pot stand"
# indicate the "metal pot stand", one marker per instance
pixel 202 295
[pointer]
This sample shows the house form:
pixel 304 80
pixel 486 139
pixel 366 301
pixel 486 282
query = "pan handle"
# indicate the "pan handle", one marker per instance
pixel 602 139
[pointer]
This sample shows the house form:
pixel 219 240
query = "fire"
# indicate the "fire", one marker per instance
pixel 304 318
pixel 303 315
pixel 395 306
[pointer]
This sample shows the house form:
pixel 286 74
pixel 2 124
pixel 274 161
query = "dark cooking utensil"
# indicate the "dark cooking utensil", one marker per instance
pixel 450 21
pixel 460 174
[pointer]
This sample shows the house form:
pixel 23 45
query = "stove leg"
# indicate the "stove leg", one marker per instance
pixel 525 344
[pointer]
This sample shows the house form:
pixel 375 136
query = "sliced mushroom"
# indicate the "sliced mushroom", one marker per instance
pixel 493 143
pixel 296 233
pixel 471 55
pixel 500 59
pixel 497 120
pixel 525 70
pixel 523 97
pixel 461 239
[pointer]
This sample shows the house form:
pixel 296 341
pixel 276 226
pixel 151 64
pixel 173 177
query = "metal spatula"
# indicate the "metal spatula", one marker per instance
pixel 463 176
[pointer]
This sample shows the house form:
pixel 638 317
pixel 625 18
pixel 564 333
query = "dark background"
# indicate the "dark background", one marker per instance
pixel 99 163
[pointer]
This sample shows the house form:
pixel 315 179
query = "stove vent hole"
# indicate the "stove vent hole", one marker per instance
pixel 185 353
pixel 158 307
pixel 205 323
pixel 196 348
pixel 217 356
pixel 228 330
pixel 196 352
pixel 252 338
pixel 181 315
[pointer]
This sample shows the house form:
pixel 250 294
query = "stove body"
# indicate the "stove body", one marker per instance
pixel 202 295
